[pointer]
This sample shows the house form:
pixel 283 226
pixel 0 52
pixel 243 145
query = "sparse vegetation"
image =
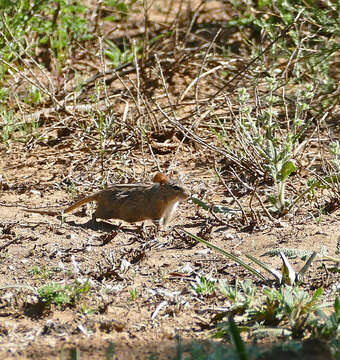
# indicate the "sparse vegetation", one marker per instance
pixel 203 286
pixel 133 294
pixel 43 273
pixel 61 295
pixel 242 97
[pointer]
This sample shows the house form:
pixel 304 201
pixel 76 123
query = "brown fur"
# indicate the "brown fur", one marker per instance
pixel 133 203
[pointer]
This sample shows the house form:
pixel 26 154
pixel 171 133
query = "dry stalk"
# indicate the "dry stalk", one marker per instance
pixel 231 193
pixel 267 48
pixel 200 70
pixel 191 135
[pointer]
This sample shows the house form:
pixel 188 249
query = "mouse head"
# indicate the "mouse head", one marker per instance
pixel 172 190
pixel 160 178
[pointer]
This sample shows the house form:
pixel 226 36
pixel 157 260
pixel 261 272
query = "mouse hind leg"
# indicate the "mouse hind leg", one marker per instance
pixel 104 210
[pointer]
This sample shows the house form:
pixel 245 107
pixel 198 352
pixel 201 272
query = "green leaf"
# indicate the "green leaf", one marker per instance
pixel 226 254
pixel 287 168
pixel 239 344
pixel 214 208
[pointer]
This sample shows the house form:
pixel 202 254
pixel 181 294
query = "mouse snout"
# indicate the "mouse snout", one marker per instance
pixel 185 195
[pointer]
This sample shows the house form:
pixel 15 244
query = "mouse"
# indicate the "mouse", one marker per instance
pixel 133 202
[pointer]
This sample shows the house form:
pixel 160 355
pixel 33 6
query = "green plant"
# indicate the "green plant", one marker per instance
pixel 120 9
pixel 55 25
pixel 29 131
pixel 133 294
pixel 34 95
pixel 203 286
pixel 273 149
pixel 88 311
pixel 279 109
pixel 105 125
pixel 334 149
pixel 299 307
pixel 214 208
pixel 287 310
pixel 62 295
pixel 13 130
pixel 43 272
pixel 117 56
pixel 328 327
pixel 8 125
pixel 75 353
pixel 110 351
pixel 106 128
pixel 325 182
pixel 239 297
pixel 236 338
pixel 306 49
pixel 3 94
pixel 287 275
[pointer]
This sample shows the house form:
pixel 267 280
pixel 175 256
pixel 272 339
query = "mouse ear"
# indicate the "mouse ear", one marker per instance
pixel 160 178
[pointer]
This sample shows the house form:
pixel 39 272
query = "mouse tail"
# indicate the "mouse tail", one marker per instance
pixel 42 212
pixel 81 202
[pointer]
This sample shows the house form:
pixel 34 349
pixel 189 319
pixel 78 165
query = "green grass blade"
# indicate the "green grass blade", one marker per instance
pixel 239 344
pixel 228 255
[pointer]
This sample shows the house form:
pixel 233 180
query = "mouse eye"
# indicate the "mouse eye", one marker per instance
pixel 175 187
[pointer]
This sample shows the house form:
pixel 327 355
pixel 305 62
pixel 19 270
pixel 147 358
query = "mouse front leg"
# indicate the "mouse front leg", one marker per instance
pixel 168 213
pixel 159 223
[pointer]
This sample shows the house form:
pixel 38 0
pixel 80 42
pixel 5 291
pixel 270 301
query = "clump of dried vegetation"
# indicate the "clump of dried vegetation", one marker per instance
pixel 107 91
